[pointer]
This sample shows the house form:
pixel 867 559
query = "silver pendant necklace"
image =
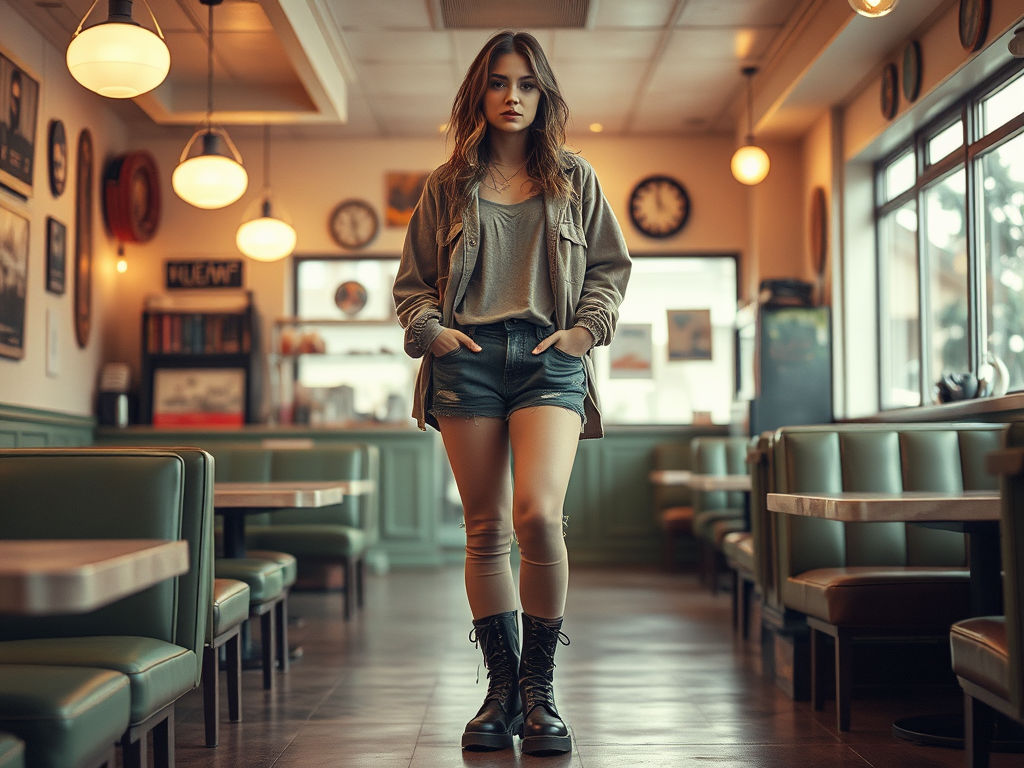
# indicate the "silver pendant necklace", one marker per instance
pixel 505 182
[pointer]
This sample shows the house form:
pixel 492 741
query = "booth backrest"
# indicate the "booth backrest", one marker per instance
pixel 97 494
pixel 674 455
pixel 718 456
pixel 1012 539
pixel 875 457
pixel 355 461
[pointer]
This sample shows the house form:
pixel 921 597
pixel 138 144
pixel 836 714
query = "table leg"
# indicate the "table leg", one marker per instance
pixel 234 534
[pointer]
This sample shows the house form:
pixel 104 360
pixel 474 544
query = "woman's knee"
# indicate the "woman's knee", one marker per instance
pixel 538 525
pixel 491 536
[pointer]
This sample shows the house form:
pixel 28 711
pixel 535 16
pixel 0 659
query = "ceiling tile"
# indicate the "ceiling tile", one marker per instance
pixel 433 80
pixel 604 80
pixel 601 44
pixel 255 57
pixel 424 110
pixel 633 13
pixel 738 44
pixel 399 46
pixel 736 13
pixel 380 14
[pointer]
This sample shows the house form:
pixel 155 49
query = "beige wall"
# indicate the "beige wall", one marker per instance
pixel 775 233
pixel 25 382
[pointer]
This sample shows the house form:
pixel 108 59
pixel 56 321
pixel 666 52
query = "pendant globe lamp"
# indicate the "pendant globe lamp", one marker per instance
pixel 873 8
pixel 750 163
pixel 214 177
pixel 265 234
pixel 118 58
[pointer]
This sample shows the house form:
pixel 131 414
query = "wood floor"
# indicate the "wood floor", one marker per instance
pixel 653 678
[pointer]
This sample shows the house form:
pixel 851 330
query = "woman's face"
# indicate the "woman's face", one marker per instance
pixel 510 103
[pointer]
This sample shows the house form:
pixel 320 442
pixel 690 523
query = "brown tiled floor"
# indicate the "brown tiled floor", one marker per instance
pixel 652 678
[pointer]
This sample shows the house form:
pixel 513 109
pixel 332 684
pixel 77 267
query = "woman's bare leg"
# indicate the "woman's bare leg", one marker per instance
pixel 544 441
pixel 478 451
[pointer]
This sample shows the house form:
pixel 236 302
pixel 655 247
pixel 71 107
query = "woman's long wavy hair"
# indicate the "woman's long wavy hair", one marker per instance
pixel 468 125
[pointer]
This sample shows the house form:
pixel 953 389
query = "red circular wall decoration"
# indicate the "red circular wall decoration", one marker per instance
pixel 131 197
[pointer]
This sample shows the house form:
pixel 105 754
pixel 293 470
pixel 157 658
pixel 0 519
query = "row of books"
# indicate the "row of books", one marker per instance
pixel 196 334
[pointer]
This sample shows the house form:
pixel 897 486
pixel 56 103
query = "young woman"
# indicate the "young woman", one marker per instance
pixel 513 270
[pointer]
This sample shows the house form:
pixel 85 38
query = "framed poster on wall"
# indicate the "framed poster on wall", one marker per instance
pixel 199 397
pixel 19 110
pixel 13 282
pixel 689 334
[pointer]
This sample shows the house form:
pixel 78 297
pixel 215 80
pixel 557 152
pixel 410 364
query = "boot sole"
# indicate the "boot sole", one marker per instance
pixel 491 742
pixel 547 745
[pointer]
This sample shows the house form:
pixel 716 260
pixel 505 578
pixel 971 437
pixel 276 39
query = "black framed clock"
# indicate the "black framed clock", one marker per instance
pixel 973 23
pixel 57 157
pixel 353 223
pixel 890 97
pixel 659 206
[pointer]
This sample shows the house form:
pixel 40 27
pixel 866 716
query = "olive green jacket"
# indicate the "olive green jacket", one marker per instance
pixel 586 253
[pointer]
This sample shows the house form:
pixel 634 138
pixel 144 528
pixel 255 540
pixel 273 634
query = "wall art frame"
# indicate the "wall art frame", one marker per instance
pixel 14 247
pixel 56 255
pixel 19 116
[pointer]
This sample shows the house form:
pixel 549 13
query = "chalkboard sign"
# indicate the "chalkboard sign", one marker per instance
pixel 204 274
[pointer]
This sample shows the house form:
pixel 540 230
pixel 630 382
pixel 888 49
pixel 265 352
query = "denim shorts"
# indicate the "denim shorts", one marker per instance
pixel 505 375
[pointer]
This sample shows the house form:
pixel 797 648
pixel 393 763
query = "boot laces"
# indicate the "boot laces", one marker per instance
pixel 499 665
pixel 538 668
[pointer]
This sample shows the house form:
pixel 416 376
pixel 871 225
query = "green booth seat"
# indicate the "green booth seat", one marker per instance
pixel 716 513
pixel 265 579
pixel 230 610
pixel 67 717
pixel 12 751
pixel 155 638
pixel 290 570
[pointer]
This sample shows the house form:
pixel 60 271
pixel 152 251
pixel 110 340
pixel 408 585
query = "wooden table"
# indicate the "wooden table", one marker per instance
pixel 719 482
pixel 670 476
pixel 45 577
pixel 233 501
pixel 976 513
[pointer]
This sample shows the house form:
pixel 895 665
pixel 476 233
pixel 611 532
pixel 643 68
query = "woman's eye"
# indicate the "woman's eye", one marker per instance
pixel 497 84
pixel 528 86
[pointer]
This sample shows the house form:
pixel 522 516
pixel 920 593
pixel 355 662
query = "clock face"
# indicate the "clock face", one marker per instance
pixel 659 206
pixel 353 223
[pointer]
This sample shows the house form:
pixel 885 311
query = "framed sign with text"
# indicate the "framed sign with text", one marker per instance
pixel 193 274
pixel 19 108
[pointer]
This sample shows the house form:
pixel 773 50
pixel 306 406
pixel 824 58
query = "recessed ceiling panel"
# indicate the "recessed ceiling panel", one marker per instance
pixel 602 44
pixel 515 14
pixel 633 13
pixel 399 46
pixel 736 13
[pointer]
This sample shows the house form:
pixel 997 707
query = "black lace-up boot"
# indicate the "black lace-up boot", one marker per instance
pixel 543 730
pixel 501 715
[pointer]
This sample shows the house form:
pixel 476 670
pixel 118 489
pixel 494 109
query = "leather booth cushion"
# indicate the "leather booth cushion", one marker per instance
pixel 12 751
pixel 230 604
pixel 309 541
pixel 721 528
pixel 882 596
pixel 738 548
pixel 677 519
pixel 980 653
pixel 264 577
pixel 284 559
pixel 65 715
pixel 158 672
pixel 704 521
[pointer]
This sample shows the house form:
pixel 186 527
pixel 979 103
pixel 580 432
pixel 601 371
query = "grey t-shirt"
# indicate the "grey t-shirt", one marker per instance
pixel 511 279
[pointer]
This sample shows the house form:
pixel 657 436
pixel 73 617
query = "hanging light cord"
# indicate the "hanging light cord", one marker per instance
pixel 749 72
pixel 92 7
pixel 209 67
pixel 266 158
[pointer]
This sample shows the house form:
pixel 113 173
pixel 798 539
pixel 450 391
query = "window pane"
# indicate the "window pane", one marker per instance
pixel 945 141
pixel 1002 106
pixel 946 244
pixel 901 315
pixel 900 176
pixel 1003 223
pixel 638 381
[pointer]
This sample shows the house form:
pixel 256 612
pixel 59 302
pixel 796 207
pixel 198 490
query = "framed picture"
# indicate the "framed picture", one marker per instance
pixel 631 352
pixel 199 397
pixel 56 253
pixel 401 192
pixel 13 282
pixel 57 156
pixel 19 107
pixel 689 334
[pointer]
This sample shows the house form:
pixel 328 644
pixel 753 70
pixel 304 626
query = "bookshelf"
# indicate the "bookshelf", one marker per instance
pixel 199 367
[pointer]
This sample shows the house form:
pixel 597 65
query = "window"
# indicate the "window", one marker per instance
pixel 951 246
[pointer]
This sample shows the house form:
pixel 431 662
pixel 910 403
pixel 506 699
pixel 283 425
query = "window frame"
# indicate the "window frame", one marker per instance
pixel 968 109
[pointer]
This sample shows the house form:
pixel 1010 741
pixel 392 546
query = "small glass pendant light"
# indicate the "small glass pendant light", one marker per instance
pixel 750 163
pixel 265 235
pixel 118 58
pixel 214 178
pixel 873 8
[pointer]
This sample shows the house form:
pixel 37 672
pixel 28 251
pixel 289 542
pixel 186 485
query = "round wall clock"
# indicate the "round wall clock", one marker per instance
pixel 659 206
pixel 890 94
pixel 912 70
pixel 83 239
pixel 57 155
pixel 353 223
pixel 818 230
pixel 974 15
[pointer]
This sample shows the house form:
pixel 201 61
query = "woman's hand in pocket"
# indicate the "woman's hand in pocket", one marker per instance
pixel 449 340
pixel 576 341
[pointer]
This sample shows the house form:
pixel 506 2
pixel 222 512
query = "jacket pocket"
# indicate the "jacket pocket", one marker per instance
pixel 572 252
pixel 446 236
